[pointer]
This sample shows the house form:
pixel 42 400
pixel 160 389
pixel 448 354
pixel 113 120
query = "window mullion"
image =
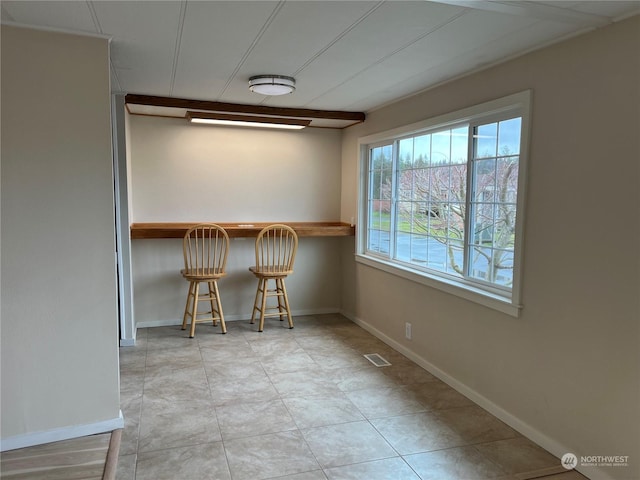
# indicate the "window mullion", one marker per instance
pixel 394 200
pixel 468 205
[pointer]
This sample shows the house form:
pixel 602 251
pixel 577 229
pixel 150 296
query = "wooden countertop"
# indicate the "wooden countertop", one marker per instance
pixel 235 230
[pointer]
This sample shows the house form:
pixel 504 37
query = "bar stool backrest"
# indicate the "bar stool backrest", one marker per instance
pixel 276 248
pixel 206 247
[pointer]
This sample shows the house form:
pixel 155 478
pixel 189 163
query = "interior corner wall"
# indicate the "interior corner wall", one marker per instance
pixel 183 172
pixel 59 308
pixel 566 373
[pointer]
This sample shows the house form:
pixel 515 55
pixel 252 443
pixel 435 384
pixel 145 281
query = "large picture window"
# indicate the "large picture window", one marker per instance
pixel 443 200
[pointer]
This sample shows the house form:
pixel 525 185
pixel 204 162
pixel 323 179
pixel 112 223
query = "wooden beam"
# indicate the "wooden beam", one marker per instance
pixel 171 102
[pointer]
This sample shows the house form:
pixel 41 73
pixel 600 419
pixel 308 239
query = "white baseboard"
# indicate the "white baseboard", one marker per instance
pixel 551 445
pixel 58 434
pixel 127 342
pixel 234 318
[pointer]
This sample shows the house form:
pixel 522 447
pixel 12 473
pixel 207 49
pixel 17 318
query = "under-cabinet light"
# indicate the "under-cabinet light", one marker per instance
pixel 247 120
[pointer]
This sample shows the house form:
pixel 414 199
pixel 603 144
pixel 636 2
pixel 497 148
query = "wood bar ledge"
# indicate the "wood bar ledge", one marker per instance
pixel 236 230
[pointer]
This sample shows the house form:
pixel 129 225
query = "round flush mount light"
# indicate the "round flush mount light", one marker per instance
pixel 272 84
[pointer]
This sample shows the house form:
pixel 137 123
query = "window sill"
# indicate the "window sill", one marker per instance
pixel 458 289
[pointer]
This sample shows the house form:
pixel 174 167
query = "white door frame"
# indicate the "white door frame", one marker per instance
pixel 123 236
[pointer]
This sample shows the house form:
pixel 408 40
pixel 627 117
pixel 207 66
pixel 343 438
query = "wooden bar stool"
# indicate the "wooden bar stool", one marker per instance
pixel 205 247
pixel 276 248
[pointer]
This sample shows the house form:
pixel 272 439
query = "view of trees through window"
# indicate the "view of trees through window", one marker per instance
pixel 426 191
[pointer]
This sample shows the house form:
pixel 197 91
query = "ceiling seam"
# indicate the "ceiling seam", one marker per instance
pixel 257 38
pixel 338 38
pixel 176 50
pixel 94 16
pixel 389 55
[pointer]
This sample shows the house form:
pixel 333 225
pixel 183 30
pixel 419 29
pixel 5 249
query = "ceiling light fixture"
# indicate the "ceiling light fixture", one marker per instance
pixel 272 84
pixel 247 120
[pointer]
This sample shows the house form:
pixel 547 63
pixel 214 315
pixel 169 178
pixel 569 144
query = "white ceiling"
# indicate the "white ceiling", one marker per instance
pixel 345 55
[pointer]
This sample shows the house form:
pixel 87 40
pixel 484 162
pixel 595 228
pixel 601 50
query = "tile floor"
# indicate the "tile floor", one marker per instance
pixel 303 404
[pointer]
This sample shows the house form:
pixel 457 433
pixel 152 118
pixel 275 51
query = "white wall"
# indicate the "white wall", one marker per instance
pixel 566 372
pixel 59 309
pixel 189 173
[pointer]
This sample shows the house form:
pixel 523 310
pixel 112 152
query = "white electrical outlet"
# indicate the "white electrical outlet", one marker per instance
pixel 407 330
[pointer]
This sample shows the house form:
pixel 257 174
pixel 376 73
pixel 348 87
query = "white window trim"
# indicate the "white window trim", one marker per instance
pixel 520 102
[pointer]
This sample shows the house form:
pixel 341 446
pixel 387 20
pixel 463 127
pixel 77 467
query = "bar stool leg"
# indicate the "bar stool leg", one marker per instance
pixel 194 311
pixel 186 307
pixel 223 327
pixel 265 287
pixel 286 303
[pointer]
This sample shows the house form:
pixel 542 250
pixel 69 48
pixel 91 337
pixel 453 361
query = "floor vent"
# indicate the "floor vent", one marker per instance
pixel 377 360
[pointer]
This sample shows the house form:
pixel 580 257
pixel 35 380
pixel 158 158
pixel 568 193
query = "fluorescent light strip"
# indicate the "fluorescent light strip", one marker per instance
pixel 247 120
pixel 240 123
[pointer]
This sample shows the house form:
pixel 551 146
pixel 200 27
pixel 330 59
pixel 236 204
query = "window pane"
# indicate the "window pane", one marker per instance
pixel 484 180
pixel 421 184
pixel 459 145
pixel 405 153
pixel 422 150
pixel 387 156
pixel 419 249
pixel 404 216
pixel 403 247
pixel 495 191
pixel 437 255
pixel 507 176
pixel 509 136
pixel 420 217
pixel 441 147
pixel 486 137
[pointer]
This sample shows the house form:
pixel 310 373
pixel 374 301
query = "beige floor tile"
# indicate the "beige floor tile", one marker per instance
pixel 321 343
pixel 234 391
pixel 257 418
pixel 314 475
pixel 172 338
pixel 228 354
pixel 211 338
pixel 569 475
pixel 239 371
pixel 131 411
pixel 196 462
pixel 350 379
pixel 183 356
pixel 390 468
pixel 462 463
pixel 347 443
pixel 285 401
pixel 126 469
pixel 321 410
pixel 269 456
pixel 167 424
pixel 179 383
pixel 475 425
pixel 269 347
pixel 385 402
pixel 405 372
pixel 438 395
pixel 416 433
pixel 303 383
pixel 346 358
pixel 288 362
pixel 517 455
